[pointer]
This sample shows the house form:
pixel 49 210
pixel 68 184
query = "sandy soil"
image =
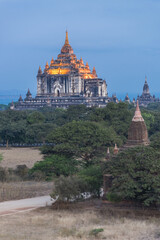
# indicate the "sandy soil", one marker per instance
pixel 19 156
pixel 76 224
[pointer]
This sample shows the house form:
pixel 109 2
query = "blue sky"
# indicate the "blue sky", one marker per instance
pixel 121 38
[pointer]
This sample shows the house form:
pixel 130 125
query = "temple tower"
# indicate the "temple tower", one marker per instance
pixel 145 87
pixel 137 134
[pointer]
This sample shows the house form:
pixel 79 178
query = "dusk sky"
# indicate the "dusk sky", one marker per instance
pixel 121 38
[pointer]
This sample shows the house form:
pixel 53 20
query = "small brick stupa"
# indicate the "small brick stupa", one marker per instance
pixel 137 133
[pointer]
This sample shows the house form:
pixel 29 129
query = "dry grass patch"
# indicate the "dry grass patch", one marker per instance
pixel 21 190
pixel 76 224
pixel 19 156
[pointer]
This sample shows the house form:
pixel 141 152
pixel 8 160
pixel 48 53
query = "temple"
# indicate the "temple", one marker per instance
pixel 146 97
pixel 137 133
pixel 66 81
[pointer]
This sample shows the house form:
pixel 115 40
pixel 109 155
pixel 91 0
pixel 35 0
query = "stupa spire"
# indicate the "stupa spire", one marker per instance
pixel 116 150
pixel 137 115
pixel 145 79
pixel 66 40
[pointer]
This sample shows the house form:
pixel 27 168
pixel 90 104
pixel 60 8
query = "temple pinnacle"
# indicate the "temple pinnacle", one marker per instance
pixel 137 116
pixel 145 79
pixel 66 40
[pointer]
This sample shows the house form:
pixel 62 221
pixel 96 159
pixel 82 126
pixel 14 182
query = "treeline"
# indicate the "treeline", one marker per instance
pixel 34 126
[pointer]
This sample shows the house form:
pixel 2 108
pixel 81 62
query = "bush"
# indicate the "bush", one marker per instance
pixel 93 177
pixel 68 189
pixel 22 171
pixel 54 166
pixel 3 174
pixel 96 231
pixel 113 197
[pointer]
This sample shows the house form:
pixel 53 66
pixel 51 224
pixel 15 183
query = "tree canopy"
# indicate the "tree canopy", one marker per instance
pixel 136 174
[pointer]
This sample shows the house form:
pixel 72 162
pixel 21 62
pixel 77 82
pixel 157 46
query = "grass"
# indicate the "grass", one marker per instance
pixel 19 156
pixel 1 157
pixel 21 190
pixel 75 224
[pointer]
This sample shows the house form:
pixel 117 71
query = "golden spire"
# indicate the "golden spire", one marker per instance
pixel 66 40
pixel 87 66
pixel 47 66
pixel 81 61
pixel 94 72
pixel 52 62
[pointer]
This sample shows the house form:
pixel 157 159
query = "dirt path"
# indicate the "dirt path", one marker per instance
pixel 17 206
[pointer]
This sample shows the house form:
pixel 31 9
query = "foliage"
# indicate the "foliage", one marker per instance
pixel 3 107
pixel 155 126
pixel 96 231
pixel 116 115
pixel 81 139
pixel 55 165
pixel 3 174
pixel 113 197
pixel 136 175
pixel 68 189
pixel 22 171
pixel 33 126
pixel 35 117
pixel 154 106
pixel 1 157
pixel 93 177
pixel 148 118
pixel 37 132
pixel 155 141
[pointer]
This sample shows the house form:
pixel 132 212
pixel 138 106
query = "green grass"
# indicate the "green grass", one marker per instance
pixel 1 157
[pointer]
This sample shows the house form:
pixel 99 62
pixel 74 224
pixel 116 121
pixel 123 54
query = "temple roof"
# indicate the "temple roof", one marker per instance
pixel 137 115
pixel 67 63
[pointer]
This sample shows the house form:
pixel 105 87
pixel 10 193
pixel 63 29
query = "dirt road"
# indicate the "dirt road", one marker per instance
pixel 12 207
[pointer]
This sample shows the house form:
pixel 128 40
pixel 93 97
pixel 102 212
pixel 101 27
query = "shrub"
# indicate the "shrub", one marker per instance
pixel 22 171
pixel 3 174
pixel 68 189
pixel 55 165
pixel 96 231
pixel 93 177
pixel 113 197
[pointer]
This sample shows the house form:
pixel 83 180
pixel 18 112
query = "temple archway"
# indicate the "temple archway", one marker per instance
pixel 57 92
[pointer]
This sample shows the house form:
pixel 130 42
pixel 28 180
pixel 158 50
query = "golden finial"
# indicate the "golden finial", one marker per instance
pixel 66 40
pixel 87 66
pixel 47 66
pixel 94 72
pixel 81 60
pixel 52 62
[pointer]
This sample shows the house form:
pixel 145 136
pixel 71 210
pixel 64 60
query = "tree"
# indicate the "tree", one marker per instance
pixel 55 166
pixel 37 132
pixel 35 117
pixel 155 141
pixel 81 139
pixel 93 177
pixel 68 189
pixel 155 126
pixel 136 175
pixel 116 115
